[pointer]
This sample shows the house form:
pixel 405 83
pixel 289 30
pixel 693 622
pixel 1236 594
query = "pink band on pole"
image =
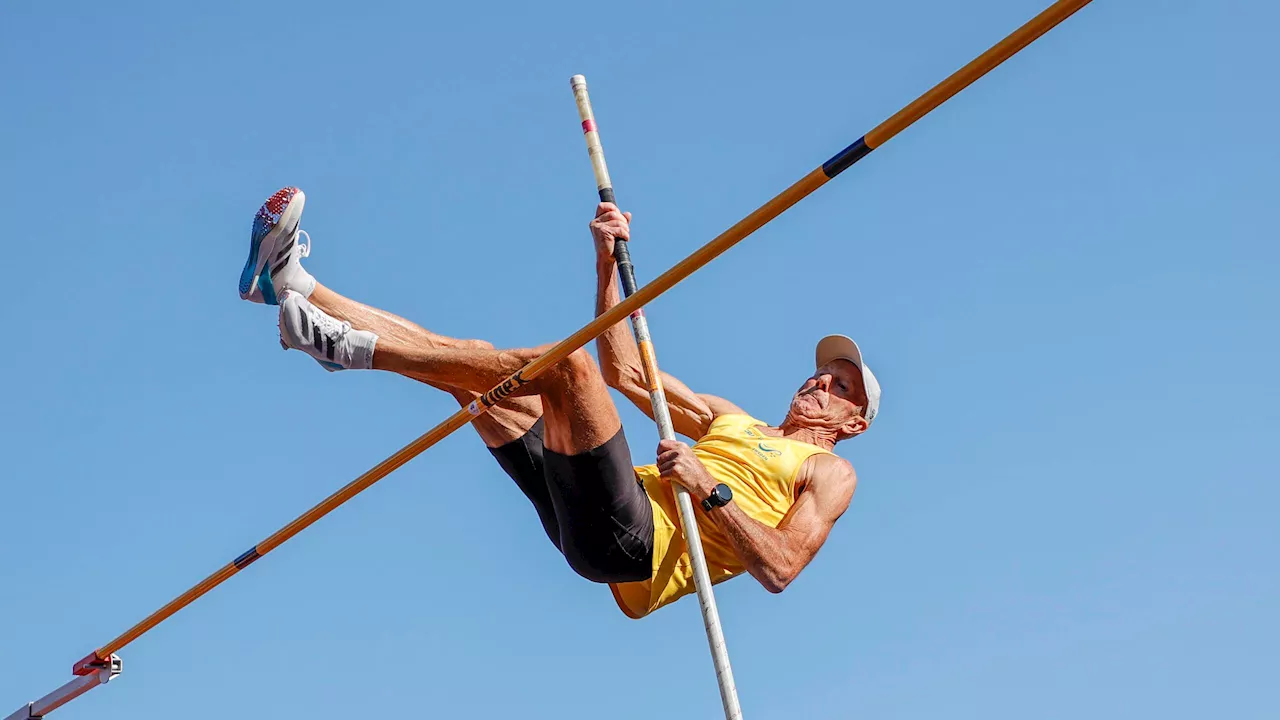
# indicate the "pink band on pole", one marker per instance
pixel 588 125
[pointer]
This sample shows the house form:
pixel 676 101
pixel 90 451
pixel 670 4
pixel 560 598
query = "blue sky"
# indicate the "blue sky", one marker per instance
pixel 1064 278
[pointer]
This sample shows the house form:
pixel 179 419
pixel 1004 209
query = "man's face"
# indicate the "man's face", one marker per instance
pixel 832 398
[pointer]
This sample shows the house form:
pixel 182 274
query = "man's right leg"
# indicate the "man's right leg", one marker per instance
pixel 513 430
pixel 501 425
pixel 604 517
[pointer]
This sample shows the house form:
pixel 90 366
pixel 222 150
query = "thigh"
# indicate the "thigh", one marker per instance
pixel 606 521
pixel 524 460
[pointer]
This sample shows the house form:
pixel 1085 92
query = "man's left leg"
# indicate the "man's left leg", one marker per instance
pixel 274 275
pixel 604 519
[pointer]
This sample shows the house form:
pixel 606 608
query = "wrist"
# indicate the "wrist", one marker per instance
pixel 719 496
pixel 698 488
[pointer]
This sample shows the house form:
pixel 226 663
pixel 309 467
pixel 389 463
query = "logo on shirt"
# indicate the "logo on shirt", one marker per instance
pixel 766 452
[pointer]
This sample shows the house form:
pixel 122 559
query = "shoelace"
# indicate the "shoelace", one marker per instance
pixel 327 326
pixel 305 249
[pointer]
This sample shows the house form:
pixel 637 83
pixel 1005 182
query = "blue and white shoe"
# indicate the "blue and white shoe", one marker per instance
pixel 274 265
pixel 332 342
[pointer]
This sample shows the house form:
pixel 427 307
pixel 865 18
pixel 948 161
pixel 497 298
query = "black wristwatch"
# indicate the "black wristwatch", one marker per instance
pixel 720 496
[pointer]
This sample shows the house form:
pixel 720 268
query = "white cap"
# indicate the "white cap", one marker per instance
pixel 841 347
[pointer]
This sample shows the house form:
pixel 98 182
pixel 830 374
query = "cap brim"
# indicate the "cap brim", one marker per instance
pixel 837 347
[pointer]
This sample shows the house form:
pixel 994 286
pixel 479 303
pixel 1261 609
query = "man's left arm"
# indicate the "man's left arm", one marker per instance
pixel 773 556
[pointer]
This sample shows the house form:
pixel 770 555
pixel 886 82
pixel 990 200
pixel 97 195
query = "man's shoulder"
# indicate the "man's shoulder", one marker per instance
pixel 828 467
pixel 830 462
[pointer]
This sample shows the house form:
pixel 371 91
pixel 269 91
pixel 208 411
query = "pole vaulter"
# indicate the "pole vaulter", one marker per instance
pixel 101 665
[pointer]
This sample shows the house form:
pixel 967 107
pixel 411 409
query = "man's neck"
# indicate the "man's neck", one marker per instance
pixel 824 438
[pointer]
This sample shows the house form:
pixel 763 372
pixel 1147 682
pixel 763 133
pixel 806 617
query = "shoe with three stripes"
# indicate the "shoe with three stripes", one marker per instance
pixel 274 265
pixel 332 342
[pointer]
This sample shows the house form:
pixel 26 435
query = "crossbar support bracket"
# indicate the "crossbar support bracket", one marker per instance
pixel 100 673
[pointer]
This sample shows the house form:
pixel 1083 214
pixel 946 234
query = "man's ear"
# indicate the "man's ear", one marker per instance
pixel 854 428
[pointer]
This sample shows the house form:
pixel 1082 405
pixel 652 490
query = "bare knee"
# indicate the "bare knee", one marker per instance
pixel 576 369
pixel 579 410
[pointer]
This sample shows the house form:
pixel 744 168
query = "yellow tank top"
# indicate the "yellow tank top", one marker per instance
pixel 761 471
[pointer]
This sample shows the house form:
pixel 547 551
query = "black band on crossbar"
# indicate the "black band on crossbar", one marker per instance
pixel 846 157
pixel 246 559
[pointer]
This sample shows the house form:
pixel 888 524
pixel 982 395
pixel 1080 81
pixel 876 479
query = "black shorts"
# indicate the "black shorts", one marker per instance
pixel 591 504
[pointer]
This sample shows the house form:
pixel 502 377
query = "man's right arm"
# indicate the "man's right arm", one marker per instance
pixel 691 413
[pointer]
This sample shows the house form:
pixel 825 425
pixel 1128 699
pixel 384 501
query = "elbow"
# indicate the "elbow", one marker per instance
pixel 619 377
pixel 776 579
pixel 612 375
pixel 620 383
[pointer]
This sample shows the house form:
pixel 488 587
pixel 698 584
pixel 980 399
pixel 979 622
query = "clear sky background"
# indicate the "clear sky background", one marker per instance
pixel 1065 279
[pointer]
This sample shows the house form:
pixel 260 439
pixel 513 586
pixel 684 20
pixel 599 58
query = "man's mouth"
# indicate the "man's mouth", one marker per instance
pixel 813 395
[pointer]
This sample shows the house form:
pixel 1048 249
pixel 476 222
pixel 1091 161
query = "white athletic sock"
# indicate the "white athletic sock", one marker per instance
pixel 362 343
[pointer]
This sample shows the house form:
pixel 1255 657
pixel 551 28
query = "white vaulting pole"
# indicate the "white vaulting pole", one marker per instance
pixel 661 414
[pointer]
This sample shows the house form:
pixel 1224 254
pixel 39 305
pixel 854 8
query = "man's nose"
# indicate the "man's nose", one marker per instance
pixel 824 382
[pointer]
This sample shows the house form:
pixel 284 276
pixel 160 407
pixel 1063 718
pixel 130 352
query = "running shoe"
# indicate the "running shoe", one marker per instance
pixel 274 265
pixel 332 342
